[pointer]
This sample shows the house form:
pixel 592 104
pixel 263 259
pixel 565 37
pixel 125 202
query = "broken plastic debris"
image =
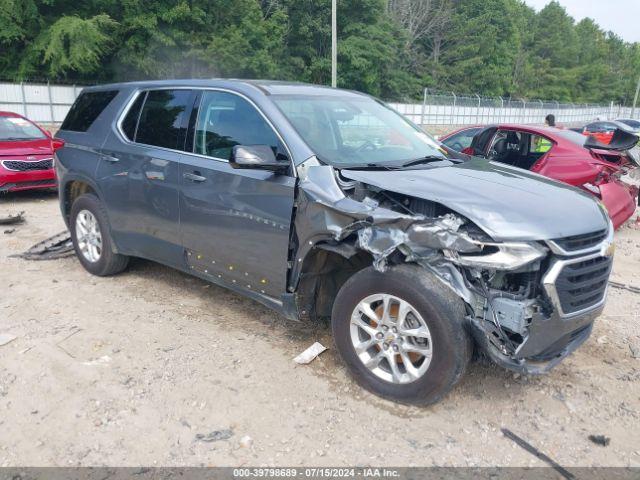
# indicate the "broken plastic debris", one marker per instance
pixel 58 246
pixel 310 353
pixel 6 338
pixel 12 219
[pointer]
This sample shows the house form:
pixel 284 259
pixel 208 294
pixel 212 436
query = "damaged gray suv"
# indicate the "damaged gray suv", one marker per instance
pixel 327 204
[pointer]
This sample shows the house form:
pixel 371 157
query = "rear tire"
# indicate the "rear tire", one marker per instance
pixel 91 239
pixel 427 339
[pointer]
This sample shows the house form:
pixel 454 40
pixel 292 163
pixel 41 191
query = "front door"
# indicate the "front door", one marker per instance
pixel 235 223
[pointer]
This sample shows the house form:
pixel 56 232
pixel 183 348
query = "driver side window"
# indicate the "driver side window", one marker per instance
pixel 226 120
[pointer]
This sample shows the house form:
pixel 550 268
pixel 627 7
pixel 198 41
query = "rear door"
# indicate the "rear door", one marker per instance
pixel 140 174
pixel 235 223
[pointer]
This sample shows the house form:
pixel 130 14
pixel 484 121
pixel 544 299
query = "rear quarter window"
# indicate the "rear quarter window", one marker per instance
pixel 86 109
pixel 130 121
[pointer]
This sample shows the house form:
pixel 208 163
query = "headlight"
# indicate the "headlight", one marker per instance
pixel 500 256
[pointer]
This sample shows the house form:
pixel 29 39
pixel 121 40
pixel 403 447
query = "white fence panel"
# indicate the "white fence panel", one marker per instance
pixel 40 102
pixel 50 103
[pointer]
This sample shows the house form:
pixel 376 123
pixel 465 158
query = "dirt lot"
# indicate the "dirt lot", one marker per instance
pixel 145 367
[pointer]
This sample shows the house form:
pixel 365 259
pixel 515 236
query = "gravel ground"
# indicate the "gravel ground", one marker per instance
pixel 153 367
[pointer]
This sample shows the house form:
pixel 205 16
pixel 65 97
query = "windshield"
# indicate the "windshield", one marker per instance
pixel 16 128
pixel 356 131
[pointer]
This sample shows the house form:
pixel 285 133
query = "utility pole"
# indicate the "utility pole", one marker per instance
pixel 635 99
pixel 334 44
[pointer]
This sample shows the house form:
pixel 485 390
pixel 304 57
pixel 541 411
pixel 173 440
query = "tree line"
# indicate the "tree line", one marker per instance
pixel 389 48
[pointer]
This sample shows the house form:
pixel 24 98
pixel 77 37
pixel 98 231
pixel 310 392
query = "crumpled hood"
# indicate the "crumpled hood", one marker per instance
pixel 506 202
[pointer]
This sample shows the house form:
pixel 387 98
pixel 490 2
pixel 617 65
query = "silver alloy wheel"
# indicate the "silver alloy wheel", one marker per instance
pixel 89 236
pixel 391 338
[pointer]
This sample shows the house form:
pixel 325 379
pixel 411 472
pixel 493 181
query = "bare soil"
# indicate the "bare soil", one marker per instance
pixel 153 367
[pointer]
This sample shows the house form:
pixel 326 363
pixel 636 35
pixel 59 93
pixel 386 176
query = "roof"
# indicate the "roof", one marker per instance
pixel 267 87
pixel 532 128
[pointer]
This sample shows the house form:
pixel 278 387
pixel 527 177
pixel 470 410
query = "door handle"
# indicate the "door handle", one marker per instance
pixel 194 177
pixel 110 159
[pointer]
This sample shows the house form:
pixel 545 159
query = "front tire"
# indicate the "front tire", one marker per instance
pixel 91 239
pixel 402 334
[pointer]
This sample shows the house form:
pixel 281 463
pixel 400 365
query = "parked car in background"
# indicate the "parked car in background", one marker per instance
pixel 26 154
pixel 603 130
pixel 634 125
pixel 563 155
pixel 284 192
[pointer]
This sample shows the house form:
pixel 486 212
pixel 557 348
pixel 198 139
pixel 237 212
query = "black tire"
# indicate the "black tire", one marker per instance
pixel 109 262
pixel 443 312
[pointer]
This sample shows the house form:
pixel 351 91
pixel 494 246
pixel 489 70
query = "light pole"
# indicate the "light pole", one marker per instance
pixel 635 99
pixel 334 44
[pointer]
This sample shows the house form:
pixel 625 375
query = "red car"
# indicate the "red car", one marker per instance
pixel 26 154
pixel 604 130
pixel 563 155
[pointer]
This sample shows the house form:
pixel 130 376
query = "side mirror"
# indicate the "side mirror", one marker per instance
pixel 260 157
pixel 57 144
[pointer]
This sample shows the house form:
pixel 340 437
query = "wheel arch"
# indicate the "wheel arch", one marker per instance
pixel 323 272
pixel 72 188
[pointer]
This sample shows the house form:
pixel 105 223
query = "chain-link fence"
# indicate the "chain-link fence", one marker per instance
pixel 450 109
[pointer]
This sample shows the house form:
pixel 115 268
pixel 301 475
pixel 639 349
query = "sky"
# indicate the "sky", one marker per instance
pixel 619 16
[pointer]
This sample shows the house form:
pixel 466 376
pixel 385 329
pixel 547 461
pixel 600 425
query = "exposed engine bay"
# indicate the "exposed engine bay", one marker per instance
pixel 510 312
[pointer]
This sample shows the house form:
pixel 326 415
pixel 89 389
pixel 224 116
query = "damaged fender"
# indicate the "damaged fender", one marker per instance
pixel 326 218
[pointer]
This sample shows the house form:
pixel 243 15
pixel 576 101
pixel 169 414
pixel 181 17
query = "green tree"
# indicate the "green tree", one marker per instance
pixel 389 48
pixel 69 45
pixel 483 44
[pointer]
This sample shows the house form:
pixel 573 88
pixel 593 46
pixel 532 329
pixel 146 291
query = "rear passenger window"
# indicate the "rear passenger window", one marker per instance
pixel 86 109
pixel 162 120
pixel 130 122
pixel 226 120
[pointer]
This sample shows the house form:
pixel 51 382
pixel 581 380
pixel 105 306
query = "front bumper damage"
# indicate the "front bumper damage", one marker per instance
pixel 526 331
pixel 536 365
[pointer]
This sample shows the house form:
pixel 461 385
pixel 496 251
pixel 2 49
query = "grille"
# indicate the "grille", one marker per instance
pixel 583 284
pixel 24 166
pixel 580 242
pixel 34 183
